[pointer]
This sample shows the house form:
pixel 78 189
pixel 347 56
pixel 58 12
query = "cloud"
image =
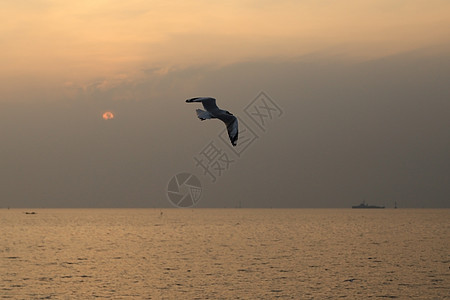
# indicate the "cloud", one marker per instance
pixel 52 42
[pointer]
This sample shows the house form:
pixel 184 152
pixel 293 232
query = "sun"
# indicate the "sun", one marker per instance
pixel 108 115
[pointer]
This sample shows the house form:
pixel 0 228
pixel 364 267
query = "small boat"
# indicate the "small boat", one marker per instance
pixel 365 205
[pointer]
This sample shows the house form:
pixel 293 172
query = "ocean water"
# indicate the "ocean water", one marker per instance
pixel 225 254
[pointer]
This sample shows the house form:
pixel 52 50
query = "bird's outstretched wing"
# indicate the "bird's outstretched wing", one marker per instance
pixel 232 127
pixel 208 102
pixel 233 131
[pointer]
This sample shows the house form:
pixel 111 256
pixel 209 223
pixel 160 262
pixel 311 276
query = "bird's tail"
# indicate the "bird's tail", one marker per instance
pixel 203 115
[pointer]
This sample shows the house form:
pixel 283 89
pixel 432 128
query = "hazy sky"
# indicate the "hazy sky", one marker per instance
pixel 363 87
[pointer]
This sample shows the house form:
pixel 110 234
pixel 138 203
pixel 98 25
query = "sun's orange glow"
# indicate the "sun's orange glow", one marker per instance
pixel 108 115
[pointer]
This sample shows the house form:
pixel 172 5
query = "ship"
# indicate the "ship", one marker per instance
pixel 365 205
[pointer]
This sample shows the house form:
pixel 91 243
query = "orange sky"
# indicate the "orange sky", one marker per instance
pixel 56 44
pixel 363 85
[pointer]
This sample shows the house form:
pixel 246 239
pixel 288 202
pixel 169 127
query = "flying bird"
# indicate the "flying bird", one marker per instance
pixel 213 112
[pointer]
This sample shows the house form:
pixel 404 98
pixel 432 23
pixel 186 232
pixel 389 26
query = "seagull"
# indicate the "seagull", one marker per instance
pixel 213 112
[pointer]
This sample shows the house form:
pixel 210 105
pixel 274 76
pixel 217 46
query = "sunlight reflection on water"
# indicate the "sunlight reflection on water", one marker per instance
pixel 224 253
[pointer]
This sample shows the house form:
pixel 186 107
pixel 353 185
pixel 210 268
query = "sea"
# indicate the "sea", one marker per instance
pixel 225 253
